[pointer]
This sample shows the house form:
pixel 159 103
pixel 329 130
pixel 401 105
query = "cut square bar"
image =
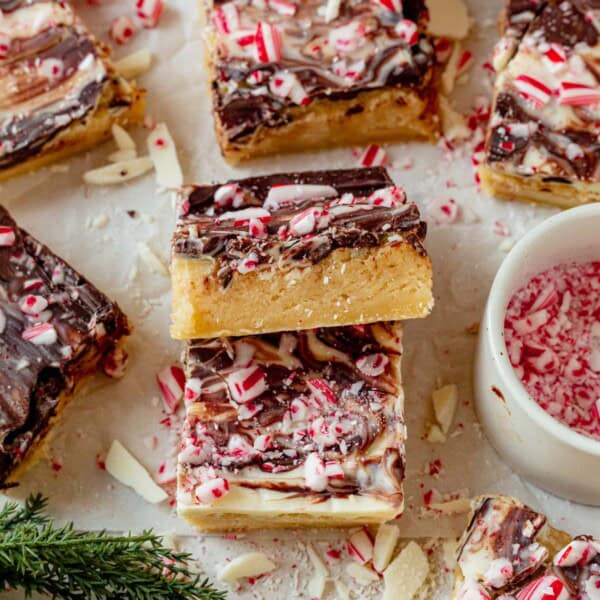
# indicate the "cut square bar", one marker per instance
pixel 289 75
pixel 295 429
pixel 56 329
pixel 510 551
pixel 59 93
pixel 297 251
pixel 542 143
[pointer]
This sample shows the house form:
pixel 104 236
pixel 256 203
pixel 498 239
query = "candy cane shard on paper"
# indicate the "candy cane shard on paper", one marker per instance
pixel 510 551
pixel 542 137
pixel 290 75
pixel 321 249
pixel 61 94
pixel 284 430
pixel 56 330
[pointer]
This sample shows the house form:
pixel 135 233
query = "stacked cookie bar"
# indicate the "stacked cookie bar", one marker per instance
pixel 288 290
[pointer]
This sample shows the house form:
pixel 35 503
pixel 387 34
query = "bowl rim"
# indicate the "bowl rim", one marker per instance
pixel 495 328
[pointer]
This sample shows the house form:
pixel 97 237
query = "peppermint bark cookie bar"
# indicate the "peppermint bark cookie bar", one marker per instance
pixel 56 329
pixel 59 93
pixel 297 251
pixel 510 552
pixel 295 429
pixel 542 143
pixel 294 75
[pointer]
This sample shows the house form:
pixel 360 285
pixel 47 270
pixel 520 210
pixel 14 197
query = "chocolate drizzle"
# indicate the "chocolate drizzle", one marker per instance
pixel 243 94
pixel 353 220
pixel 82 327
pixel 315 394
pixel 548 137
pixel 51 76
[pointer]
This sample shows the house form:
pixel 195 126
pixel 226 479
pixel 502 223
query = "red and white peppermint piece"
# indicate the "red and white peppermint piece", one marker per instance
pixel 471 590
pixel 247 384
pixel 347 38
pixel 373 365
pixel 443 49
pixel 122 30
pixel 32 284
pixel 360 546
pixel 315 477
pixel 244 37
pixel 373 156
pixel 533 89
pixel 444 211
pixel 149 12
pixel 263 442
pixel 226 18
pixel 33 305
pixel 256 77
pixel 247 264
pixel 257 229
pixel 40 335
pixel 408 31
pixel 2 321
pixel 464 62
pixel 577 553
pixel 52 68
pixel 572 93
pixel 4 45
pixel 192 390
pixel 322 391
pixel 390 197
pixel 283 7
pixel 166 474
pixel 268 43
pixel 245 215
pixel 334 470
pixel 239 447
pixel 299 409
pixel 548 587
pixel 555 58
pixel 287 85
pixel 115 363
pixel 392 5
pixel 228 194
pixel 58 275
pixel 499 573
pixel 249 410
pixel 171 382
pixel 211 490
pixel 309 220
pixel 288 194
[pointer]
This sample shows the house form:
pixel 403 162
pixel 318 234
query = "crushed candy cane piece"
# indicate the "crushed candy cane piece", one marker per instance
pixel 127 470
pixel 407 31
pixel 7 236
pixel 122 30
pixel 43 334
pixel 548 587
pixel 373 156
pixel 406 574
pixel 268 43
pixel 443 210
pixel 163 153
pixel 115 363
pixel 226 18
pixel 211 490
pixel 360 546
pixel 171 382
pixel 252 564
pixel 315 476
pixel 280 196
pixel 149 12
pixel 246 384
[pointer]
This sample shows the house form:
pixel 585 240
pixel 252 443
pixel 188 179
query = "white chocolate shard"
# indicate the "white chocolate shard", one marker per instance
pixel 153 262
pixel 119 172
pixel 454 125
pixel 435 435
pixel 448 18
pixel 361 574
pixel 445 401
pixel 163 153
pixel 121 155
pixel 133 65
pixel 406 574
pixel 123 140
pixel 126 469
pixel 385 544
pixel 252 564
pixel 451 71
pixel 316 561
pixel 458 506
pixel 316 586
pixel 341 589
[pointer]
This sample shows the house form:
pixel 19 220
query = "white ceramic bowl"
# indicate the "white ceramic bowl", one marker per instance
pixel 533 443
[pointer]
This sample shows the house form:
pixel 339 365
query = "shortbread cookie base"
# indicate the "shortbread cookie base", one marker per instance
pixel 535 189
pixel 84 134
pixel 246 509
pixel 350 286
pixel 553 539
pixel 391 114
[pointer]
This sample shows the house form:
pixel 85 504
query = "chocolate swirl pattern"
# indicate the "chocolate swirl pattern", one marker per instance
pixel 547 106
pixel 266 412
pixel 52 75
pixel 55 328
pixel 272 55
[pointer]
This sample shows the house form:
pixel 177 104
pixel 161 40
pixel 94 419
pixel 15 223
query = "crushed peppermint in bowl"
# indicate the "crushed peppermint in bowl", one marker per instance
pixel 552 336
pixel 537 364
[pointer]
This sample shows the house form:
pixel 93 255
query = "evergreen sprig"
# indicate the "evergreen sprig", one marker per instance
pixel 37 556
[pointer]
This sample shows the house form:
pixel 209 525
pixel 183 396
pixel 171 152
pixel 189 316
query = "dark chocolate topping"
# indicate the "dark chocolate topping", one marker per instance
pixel 362 209
pixel 55 328
pixel 332 391
pixel 243 90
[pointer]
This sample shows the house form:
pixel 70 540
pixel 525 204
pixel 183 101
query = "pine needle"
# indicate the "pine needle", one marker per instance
pixel 37 556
